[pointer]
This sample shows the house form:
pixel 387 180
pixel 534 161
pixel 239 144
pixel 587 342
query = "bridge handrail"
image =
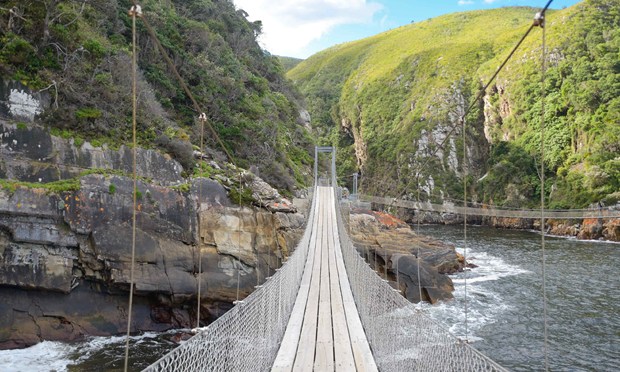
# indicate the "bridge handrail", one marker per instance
pixel 603 213
pixel 247 337
pixel 402 337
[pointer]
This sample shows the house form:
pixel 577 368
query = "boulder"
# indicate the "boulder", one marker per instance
pixel 385 241
pixel 611 230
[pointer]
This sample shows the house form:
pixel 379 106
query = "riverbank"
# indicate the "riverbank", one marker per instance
pixel 579 228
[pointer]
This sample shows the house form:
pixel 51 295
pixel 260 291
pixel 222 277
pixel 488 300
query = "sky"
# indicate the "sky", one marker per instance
pixel 300 28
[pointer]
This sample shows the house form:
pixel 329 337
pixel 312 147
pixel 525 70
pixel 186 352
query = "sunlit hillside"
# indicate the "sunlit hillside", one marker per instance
pixel 389 101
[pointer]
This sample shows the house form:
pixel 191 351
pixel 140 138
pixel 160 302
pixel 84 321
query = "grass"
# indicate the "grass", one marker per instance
pixel 66 185
pixel 55 187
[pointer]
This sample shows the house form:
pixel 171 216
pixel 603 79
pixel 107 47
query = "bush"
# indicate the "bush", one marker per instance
pixel 16 50
pixel 180 150
pixel 88 113
pixel 95 48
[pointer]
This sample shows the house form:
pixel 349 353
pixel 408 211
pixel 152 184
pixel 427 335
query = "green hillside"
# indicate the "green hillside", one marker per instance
pixel 389 101
pixel 79 52
pixel 288 63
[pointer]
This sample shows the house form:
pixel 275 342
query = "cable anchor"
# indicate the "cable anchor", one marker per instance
pixel 539 20
pixel 135 11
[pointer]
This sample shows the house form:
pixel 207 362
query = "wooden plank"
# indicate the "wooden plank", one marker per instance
pixel 344 360
pixel 304 358
pixel 288 348
pixel 364 360
pixel 324 332
pixel 324 355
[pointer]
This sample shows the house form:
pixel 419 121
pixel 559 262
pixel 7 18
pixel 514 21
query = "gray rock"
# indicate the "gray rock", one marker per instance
pixel 21 103
pixel 32 154
pixel 386 242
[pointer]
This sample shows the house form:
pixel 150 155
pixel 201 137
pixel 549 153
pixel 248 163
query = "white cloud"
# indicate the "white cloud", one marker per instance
pixel 465 2
pixel 489 1
pixel 289 26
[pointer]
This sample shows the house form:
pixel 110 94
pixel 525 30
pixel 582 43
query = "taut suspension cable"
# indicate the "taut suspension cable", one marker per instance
pixel 189 94
pixel 203 119
pixel 239 237
pixel 465 225
pixel 134 12
pixel 540 21
pixel 418 232
pixel 181 82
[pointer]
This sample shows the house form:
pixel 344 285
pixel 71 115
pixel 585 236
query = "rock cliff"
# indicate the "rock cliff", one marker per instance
pixel 389 243
pixel 65 250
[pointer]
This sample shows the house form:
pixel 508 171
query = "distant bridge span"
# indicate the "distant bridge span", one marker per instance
pixel 603 213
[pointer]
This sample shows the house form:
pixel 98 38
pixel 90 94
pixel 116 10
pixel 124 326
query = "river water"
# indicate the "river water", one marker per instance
pixel 505 302
pixel 505 311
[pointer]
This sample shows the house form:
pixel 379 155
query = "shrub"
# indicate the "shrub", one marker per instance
pixel 88 113
pixel 180 150
pixel 16 50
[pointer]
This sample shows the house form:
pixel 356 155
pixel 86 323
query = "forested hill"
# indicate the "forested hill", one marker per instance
pixel 79 53
pixel 390 100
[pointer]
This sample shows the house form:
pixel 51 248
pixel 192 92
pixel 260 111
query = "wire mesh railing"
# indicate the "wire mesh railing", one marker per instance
pixel 402 338
pixel 247 337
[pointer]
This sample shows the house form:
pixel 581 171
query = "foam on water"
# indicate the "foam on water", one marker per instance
pixel 45 356
pixel 51 356
pixel 485 306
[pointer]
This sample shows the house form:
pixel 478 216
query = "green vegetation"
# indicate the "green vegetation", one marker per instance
pixel 392 99
pixel 88 113
pixel 81 50
pixel 182 188
pixel 288 63
pixel 241 196
pixel 57 187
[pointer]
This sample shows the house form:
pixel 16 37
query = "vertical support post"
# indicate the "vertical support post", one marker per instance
pixel 355 185
pixel 316 165
pixel 334 183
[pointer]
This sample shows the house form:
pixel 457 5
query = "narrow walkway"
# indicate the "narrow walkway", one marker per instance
pixel 324 332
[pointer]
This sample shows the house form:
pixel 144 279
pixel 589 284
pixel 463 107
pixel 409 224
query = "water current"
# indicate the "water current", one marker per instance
pixel 505 301
pixel 505 309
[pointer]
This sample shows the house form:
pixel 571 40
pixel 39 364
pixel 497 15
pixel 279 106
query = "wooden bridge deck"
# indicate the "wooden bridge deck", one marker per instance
pixel 324 332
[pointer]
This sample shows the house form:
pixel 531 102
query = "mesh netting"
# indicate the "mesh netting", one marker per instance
pixel 247 337
pixel 403 338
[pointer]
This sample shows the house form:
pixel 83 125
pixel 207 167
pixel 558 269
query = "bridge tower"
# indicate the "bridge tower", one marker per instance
pixel 325 149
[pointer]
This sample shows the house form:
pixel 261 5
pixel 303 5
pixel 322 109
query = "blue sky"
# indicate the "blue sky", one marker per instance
pixel 300 28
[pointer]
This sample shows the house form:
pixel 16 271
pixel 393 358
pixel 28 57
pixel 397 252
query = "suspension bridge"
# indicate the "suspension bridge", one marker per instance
pixel 325 309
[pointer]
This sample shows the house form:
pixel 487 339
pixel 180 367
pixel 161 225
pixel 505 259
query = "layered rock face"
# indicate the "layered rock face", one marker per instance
pixel 65 256
pixel 389 243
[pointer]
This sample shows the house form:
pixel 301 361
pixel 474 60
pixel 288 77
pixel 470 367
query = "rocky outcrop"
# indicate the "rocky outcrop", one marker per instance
pixel 65 256
pixel 30 153
pixel 20 102
pixel 387 242
pixel 266 196
pixel 65 260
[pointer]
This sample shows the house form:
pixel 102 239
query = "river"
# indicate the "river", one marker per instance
pixel 504 309
pixel 505 303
